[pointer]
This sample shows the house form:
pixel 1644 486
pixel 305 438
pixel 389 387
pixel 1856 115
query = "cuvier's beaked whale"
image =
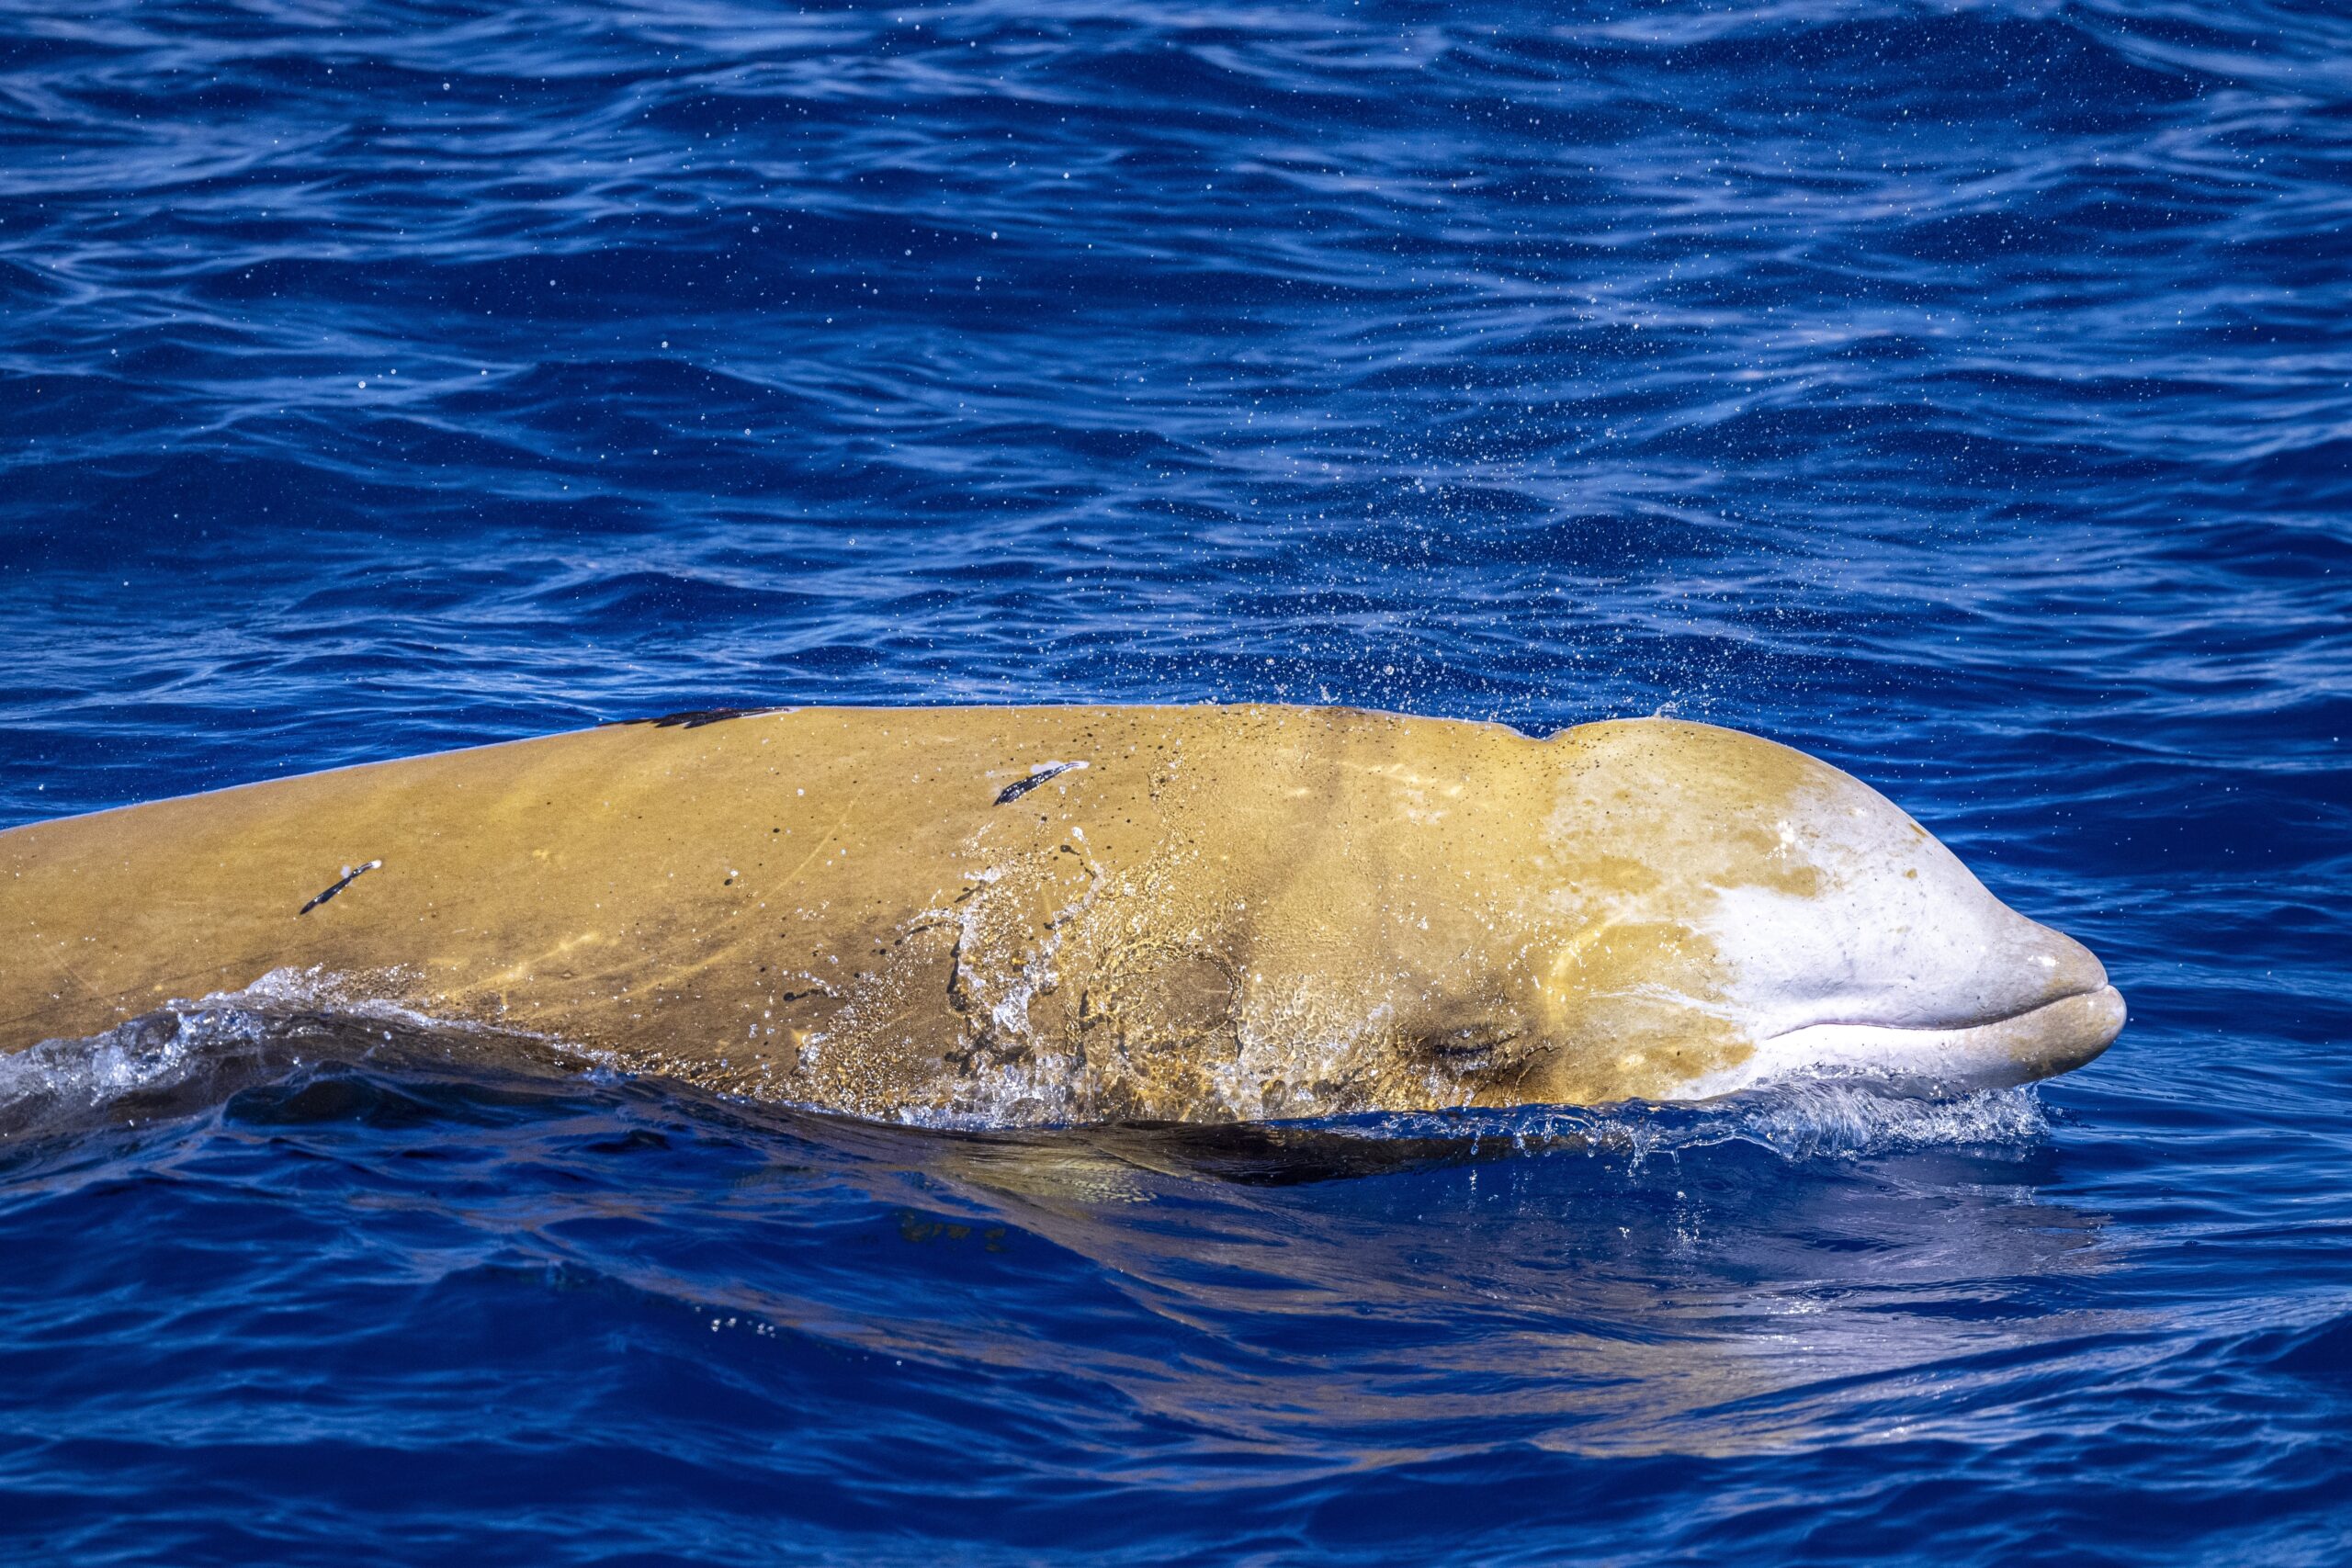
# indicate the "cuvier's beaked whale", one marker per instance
pixel 1088 913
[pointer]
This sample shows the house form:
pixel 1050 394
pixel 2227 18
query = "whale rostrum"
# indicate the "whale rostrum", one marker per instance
pixel 1041 914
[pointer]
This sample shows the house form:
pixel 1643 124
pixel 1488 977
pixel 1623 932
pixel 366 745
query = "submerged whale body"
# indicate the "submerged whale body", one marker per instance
pixel 1048 914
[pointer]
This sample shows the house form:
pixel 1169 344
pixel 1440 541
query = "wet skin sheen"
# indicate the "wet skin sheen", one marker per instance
pixel 1072 913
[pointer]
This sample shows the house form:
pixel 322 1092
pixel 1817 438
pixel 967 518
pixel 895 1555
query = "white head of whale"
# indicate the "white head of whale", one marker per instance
pixel 1779 919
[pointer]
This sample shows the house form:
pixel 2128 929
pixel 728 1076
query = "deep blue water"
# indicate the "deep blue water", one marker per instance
pixel 1961 392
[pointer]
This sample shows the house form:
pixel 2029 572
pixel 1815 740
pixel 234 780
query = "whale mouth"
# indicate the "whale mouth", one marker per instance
pixel 2039 1042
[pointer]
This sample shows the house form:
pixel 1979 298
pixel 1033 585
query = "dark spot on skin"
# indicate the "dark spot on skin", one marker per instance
pixel 351 873
pixel 693 718
pixel 1477 1049
pixel 1013 792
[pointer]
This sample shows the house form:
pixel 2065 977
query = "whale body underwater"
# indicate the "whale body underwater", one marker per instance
pixel 1066 914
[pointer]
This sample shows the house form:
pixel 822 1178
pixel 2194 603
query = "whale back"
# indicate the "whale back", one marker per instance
pixel 975 910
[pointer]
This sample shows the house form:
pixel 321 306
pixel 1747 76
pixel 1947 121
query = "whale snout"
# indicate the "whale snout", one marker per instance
pixel 2049 1038
pixel 2057 1037
pixel 2067 967
pixel 2044 1007
pixel 1991 1000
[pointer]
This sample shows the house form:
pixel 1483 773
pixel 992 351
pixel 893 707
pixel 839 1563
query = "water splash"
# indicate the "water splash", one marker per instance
pixel 1801 1120
pixel 191 1054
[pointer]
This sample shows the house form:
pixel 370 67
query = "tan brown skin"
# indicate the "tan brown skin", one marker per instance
pixel 1227 912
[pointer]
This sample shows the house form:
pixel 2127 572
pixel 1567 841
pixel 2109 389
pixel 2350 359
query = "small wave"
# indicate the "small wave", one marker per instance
pixel 154 1052
pixel 190 1054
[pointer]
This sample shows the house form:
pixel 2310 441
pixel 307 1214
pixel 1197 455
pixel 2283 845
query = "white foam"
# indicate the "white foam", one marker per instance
pixel 183 1043
pixel 149 1053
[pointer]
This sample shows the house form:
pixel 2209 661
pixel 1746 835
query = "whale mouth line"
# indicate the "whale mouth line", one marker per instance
pixel 2055 1037
pixel 1954 1027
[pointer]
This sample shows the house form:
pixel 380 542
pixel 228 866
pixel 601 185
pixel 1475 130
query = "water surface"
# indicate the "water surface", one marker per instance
pixel 1962 393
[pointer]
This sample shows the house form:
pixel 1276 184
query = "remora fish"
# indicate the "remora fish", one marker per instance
pixel 1082 913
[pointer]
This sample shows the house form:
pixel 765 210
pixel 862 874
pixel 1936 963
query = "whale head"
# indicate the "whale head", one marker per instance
pixel 1742 914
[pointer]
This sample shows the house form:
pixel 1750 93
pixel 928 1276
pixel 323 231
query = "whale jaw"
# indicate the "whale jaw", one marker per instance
pixel 2041 1042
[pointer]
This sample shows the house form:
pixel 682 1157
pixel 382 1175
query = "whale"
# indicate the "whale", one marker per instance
pixel 1053 915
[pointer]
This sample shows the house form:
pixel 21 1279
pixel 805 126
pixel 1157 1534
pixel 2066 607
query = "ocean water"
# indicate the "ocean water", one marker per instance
pixel 1962 392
